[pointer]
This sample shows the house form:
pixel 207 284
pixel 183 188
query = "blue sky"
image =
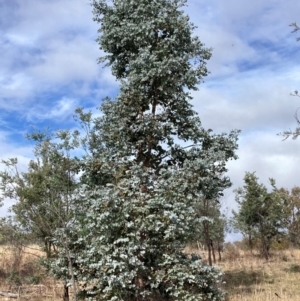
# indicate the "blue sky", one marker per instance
pixel 49 67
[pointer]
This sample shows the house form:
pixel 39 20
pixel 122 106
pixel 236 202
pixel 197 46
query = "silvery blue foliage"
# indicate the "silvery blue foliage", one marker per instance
pixel 133 246
pixel 135 213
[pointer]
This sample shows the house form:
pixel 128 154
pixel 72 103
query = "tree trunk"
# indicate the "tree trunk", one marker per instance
pixel 251 244
pixel 213 251
pixel 264 246
pixel 209 254
pixel 47 248
pixel 66 292
pixel 71 271
pixel 219 251
pixel 208 241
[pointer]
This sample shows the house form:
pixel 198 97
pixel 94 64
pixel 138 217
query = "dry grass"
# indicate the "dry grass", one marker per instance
pixel 247 277
pixel 21 273
pixel 251 278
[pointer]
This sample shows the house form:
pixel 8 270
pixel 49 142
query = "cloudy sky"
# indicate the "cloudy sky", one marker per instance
pixel 48 68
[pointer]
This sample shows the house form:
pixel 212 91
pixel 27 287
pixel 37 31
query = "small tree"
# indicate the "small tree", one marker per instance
pixel 44 195
pixel 260 214
pixel 211 231
pixel 291 207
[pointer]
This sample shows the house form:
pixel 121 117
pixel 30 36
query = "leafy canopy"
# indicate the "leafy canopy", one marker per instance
pixel 261 213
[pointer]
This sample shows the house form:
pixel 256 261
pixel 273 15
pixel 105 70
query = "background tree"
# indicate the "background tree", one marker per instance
pixel 44 194
pixel 140 187
pixel 260 214
pixel 218 231
pixel 211 231
pixel 291 207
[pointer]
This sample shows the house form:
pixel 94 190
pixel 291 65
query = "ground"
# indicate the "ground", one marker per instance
pixel 247 277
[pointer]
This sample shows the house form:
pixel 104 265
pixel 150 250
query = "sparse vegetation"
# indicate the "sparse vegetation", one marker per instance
pixel 28 279
pixel 246 277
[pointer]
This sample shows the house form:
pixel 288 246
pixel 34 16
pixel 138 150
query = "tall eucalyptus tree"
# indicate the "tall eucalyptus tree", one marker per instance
pixel 136 210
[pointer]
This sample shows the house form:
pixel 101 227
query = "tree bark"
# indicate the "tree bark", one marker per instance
pixel 209 254
pixel 71 271
pixel 219 251
pixel 213 251
pixel 208 241
pixel 250 244
pixel 66 292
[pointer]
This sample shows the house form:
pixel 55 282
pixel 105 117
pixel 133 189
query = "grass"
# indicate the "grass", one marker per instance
pixel 21 273
pixel 247 277
pixel 251 278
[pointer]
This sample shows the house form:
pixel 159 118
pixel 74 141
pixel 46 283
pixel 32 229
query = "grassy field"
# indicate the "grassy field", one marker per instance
pixel 252 278
pixel 21 274
pixel 247 277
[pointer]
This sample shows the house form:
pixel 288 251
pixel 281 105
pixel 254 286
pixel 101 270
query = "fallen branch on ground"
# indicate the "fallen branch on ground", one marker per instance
pixel 9 295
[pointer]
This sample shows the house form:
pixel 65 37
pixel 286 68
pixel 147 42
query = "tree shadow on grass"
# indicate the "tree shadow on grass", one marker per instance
pixel 242 282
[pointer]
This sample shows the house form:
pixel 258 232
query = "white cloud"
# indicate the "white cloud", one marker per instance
pixel 60 110
pixel 65 61
pixel 50 47
pixel 258 99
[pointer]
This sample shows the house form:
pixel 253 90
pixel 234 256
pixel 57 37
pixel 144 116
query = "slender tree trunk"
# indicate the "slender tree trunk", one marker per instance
pixel 47 249
pixel 198 245
pixel 66 292
pixel 71 271
pixel 201 248
pixel 266 248
pixel 213 251
pixel 265 251
pixel 250 243
pixel 264 239
pixel 219 250
pixel 208 241
pixel 209 254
